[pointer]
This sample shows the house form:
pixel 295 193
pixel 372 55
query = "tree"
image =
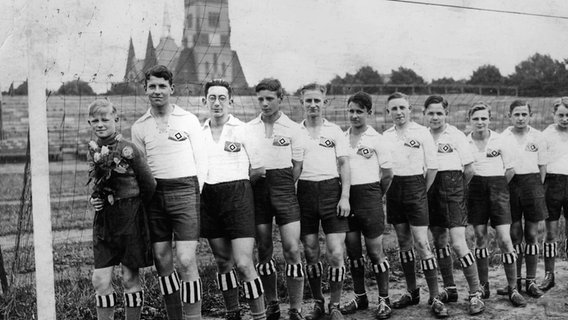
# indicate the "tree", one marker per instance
pixel 445 81
pixel 365 75
pixel 126 88
pixel 22 89
pixel 540 75
pixel 405 76
pixel 75 88
pixel 486 75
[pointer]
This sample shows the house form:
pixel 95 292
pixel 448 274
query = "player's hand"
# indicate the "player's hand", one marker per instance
pixel 343 208
pixel 97 203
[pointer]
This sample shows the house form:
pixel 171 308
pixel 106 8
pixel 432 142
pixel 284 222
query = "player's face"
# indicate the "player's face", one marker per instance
pixel 435 115
pixel 103 124
pixel 357 115
pixel 561 117
pixel 269 102
pixel 479 120
pixel 158 91
pixel 313 102
pixel 399 110
pixel 218 101
pixel 520 117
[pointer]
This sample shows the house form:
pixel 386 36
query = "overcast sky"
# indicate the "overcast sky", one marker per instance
pixel 297 41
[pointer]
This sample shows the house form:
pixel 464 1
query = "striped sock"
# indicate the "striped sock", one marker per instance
pixel 254 294
pixel 295 282
pixel 407 262
pixel 531 258
pixel 469 268
pixel 169 287
pixel 431 274
pixel 229 286
pixel 314 273
pixel 336 277
pixel 482 260
pixel 509 259
pixel 519 250
pixel 191 293
pixel 357 268
pixel 381 271
pixel 105 306
pixel 444 257
pixel 133 303
pixel 267 273
pixel 550 253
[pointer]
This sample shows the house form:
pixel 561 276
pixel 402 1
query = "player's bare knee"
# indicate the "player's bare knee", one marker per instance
pixel 130 281
pixel 102 283
pixel 335 257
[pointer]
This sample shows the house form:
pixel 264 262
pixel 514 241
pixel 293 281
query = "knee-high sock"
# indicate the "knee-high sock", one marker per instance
pixel 519 250
pixel 431 274
pixel 482 260
pixel 408 267
pixel 169 287
pixel 254 295
pixel 550 252
pixel 133 303
pixel 229 286
pixel 444 257
pixel 531 258
pixel 336 277
pixel 191 297
pixel 267 273
pixel 105 306
pixel 470 272
pixel 357 267
pixel 381 271
pixel 509 259
pixel 314 273
pixel 295 281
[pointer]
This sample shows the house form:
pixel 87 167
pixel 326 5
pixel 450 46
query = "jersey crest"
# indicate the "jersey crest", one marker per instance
pixel 232 146
pixel 326 142
pixel 445 148
pixel 493 153
pixel 365 152
pixel 281 141
pixel 412 143
pixel 531 147
pixel 177 135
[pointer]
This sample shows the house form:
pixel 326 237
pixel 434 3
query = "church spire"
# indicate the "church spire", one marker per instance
pixel 130 73
pixel 150 59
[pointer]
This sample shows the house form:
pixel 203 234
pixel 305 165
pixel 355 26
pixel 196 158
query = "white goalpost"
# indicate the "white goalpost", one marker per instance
pixel 41 207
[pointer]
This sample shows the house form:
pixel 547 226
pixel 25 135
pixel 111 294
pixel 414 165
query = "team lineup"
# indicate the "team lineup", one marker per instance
pixel 231 182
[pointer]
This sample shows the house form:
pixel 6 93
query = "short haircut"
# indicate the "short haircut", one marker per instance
pixel 519 103
pixel 478 106
pixel 270 84
pixel 397 95
pixel 363 99
pixel 562 101
pixel 158 71
pixel 436 99
pixel 218 83
pixel 313 87
pixel 101 106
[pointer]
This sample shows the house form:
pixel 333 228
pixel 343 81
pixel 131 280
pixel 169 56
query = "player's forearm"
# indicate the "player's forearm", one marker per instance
pixel 296 169
pixel 430 176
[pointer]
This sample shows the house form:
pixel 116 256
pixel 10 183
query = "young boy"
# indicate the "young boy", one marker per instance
pixel 446 202
pixel 280 142
pixel 371 174
pixel 323 194
pixel 227 208
pixel 488 199
pixel 414 167
pixel 173 142
pixel 120 233
pixel 556 184
pixel 526 191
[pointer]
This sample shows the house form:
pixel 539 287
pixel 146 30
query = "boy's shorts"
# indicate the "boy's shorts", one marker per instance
pixel 446 200
pixel 488 199
pixel 318 201
pixel 526 194
pixel 556 186
pixel 407 201
pixel 120 235
pixel 367 214
pixel 275 196
pixel 174 209
pixel 227 210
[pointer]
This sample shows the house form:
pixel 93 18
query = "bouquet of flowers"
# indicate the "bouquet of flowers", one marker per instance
pixel 102 162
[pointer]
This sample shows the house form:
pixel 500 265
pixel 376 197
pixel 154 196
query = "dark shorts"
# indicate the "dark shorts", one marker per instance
pixel 407 201
pixel 488 199
pixel 446 200
pixel 526 194
pixel 318 201
pixel 275 196
pixel 174 210
pixel 367 214
pixel 227 210
pixel 120 235
pixel 556 186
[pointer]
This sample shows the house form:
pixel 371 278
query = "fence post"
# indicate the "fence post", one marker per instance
pixel 3 278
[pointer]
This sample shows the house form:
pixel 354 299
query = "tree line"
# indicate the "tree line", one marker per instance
pixel 539 75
